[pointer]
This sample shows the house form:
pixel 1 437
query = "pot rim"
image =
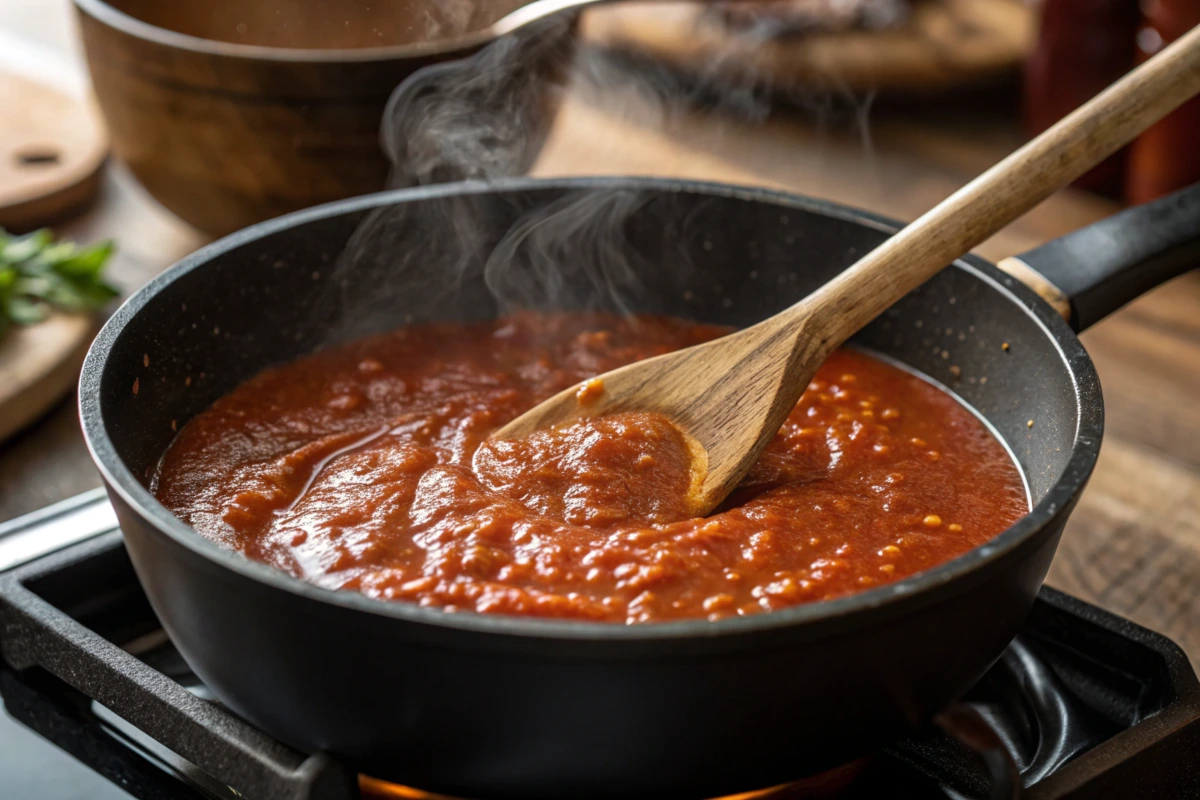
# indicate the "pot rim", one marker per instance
pixel 919 588
pixel 130 25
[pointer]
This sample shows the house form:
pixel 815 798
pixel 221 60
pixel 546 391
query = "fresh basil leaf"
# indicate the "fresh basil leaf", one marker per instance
pixel 57 252
pixel 24 310
pixel 35 285
pixel 37 273
pixel 66 297
pixel 96 293
pixel 85 263
pixel 26 247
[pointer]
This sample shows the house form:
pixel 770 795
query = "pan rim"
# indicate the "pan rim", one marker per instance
pixel 920 587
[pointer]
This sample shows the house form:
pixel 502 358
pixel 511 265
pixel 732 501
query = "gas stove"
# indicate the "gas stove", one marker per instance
pixel 100 705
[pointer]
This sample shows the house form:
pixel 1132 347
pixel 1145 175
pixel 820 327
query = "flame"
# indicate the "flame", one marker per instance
pixel 823 786
pixel 373 789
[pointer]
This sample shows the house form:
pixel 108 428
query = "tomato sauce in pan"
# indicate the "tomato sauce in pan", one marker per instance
pixel 367 467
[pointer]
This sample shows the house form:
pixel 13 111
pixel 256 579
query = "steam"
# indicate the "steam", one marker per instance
pixel 476 119
pixel 573 249
pixel 447 258
pixel 481 117
pixel 485 117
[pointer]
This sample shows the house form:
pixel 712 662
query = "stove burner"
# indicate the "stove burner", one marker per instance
pixel 1082 706
pixel 830 785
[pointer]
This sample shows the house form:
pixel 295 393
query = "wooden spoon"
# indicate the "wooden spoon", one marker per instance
pixel 730 396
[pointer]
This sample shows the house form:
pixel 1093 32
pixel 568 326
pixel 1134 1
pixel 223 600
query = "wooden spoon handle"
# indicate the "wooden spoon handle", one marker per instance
pixel 1049 162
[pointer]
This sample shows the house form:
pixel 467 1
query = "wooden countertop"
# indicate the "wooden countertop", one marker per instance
pixel 1132 545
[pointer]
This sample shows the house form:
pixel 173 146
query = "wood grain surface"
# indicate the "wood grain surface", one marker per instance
pixel 1133 544
pixel 52 146
pixel 943 44
pixel 39 364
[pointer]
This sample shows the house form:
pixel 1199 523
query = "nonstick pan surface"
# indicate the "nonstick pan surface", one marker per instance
pixel 491 706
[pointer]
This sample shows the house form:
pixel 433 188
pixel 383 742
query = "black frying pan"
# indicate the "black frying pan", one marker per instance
pixel 494 706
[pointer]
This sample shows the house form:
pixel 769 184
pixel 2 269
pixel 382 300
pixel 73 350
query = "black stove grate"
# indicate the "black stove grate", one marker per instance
pixel 1082 705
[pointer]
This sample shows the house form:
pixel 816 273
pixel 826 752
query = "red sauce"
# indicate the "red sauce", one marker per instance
pixel 355 468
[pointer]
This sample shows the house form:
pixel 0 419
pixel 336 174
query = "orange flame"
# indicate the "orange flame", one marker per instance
pixel 823 786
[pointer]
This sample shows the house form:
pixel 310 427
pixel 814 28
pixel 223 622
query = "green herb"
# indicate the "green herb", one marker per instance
pixel 37 273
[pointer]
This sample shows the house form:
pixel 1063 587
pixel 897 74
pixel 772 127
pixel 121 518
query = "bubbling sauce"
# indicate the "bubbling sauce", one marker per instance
pixel 367 467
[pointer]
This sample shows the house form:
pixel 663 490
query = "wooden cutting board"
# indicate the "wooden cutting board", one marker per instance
pixel 943 44
pixel 38 365
pixel 52 149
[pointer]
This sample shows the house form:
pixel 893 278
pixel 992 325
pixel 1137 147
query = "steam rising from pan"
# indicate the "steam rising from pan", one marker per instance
pixel 479 117
pixel 485 117
pixel 570 252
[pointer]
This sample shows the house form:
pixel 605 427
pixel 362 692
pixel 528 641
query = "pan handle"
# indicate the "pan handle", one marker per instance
pixel 1090 273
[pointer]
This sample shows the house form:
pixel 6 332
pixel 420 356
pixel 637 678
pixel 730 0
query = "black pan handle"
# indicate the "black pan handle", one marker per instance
pixel 1095 270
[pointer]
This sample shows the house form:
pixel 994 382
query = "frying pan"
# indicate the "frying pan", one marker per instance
pixel 492 706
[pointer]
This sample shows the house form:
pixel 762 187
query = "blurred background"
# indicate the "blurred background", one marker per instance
pixel 163 125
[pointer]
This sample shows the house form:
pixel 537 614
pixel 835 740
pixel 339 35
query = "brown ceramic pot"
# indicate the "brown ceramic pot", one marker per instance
pixel 231 112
